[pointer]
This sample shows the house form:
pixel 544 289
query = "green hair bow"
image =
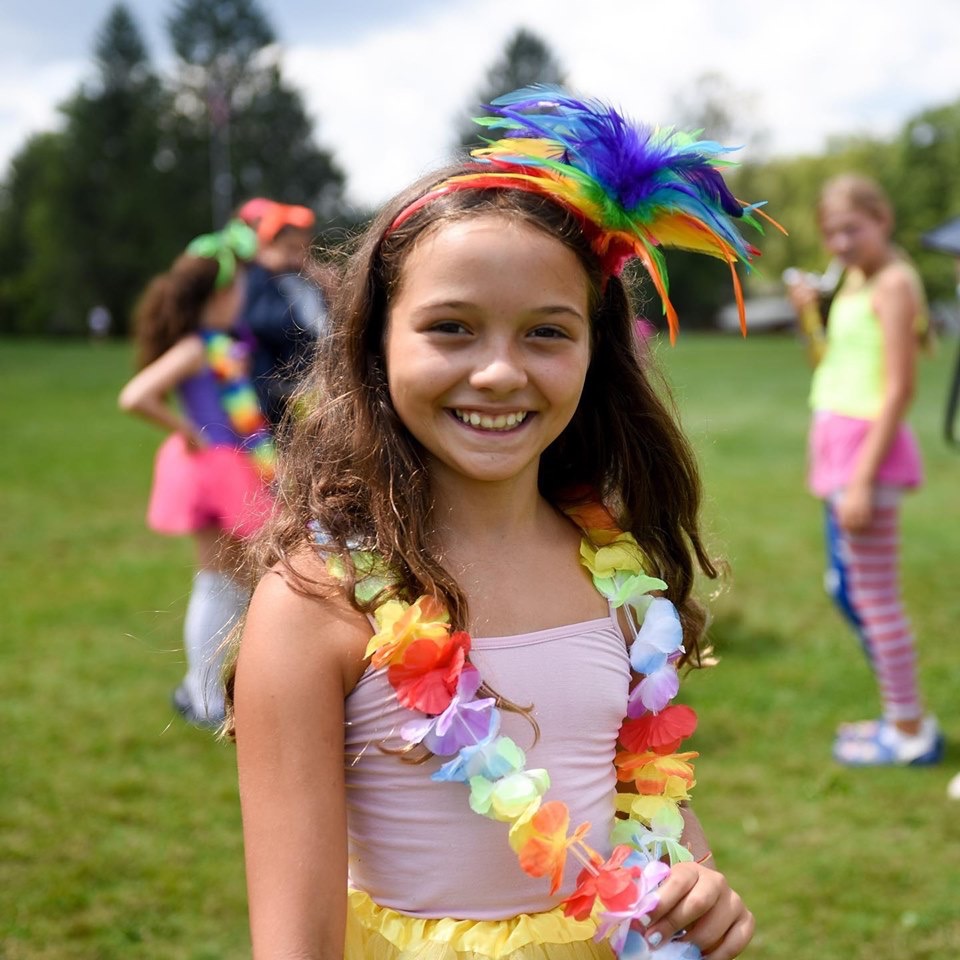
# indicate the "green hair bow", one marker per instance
pixel 236 241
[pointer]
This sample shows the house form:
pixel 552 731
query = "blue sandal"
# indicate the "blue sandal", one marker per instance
pixel 889 746
pixel 859 730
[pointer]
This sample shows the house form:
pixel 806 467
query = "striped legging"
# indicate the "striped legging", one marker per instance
pixel 863 580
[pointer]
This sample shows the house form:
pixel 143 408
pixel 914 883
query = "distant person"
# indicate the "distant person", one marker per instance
pixel 285 305
pixel 98 322
pixel 212 473
pixel 863 456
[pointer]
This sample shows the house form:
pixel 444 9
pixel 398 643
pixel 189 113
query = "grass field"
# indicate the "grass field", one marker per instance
pixel 119 826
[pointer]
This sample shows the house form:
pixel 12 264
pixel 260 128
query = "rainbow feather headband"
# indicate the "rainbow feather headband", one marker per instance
pixel 635 189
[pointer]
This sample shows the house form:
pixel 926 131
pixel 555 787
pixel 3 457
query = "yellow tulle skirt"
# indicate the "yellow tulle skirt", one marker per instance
pixel 378 933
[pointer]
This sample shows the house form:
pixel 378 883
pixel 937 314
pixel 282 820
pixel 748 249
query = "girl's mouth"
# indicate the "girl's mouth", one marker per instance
pixel 485 421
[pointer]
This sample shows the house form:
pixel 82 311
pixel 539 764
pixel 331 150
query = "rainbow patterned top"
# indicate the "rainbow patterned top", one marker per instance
pixel 428 667
pixel 228 358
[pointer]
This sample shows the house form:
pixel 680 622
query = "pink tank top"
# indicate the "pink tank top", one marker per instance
pixel 416 846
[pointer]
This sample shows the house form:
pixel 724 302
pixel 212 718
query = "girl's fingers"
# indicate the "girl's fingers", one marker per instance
pixel 725 930
pixel 698 901
pixel 735 940
pixel 688 894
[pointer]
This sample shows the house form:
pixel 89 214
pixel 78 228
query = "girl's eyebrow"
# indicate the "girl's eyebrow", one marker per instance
pixel 559 308
pixel 446 305
pixel 546 310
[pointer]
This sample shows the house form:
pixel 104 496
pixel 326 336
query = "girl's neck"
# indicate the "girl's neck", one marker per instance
pixel 489 514
pixel 514 556
pixel 870 270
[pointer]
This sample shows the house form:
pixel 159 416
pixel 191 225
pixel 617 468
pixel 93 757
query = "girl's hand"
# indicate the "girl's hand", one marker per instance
pixel 699 900
pixel 855 508
pixel 803 295
pixel 194 440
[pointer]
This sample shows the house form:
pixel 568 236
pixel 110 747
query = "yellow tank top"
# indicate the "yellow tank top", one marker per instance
pixel 849 379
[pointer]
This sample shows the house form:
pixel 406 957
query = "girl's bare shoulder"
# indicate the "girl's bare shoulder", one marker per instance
pixel 899 277
pixel 898 293
pixel 300 621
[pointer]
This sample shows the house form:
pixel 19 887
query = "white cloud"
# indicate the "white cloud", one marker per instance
pixel 386 101
pixel 386 98
pixel 29 106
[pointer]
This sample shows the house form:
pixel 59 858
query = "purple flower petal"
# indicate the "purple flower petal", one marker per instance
pixel 469 682
pixel 657 689
pixel 462 725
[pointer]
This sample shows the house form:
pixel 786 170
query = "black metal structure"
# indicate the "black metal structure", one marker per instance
pixel 946 239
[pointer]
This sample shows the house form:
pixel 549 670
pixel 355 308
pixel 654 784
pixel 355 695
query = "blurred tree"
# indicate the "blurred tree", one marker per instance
pixel 87 236
pixel 700 285
pixel 234 106
pixel 116 181
pixel 88 214
pixel 790 187
pixel 526 59
pixel 918 168
pixel 722 111
pixel 299 172
pixel 30 237
pixel 925 186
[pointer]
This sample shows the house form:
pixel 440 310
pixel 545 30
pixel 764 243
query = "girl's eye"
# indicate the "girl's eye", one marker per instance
pixel 549 333
pixel 448 326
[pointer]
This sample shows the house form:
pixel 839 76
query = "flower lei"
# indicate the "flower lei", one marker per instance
pixel 428 668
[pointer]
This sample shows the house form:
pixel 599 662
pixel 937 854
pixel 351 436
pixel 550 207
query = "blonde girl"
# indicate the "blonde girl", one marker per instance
pixel 863 456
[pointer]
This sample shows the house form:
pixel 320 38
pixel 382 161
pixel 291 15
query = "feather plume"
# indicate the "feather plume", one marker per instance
pixel 636 188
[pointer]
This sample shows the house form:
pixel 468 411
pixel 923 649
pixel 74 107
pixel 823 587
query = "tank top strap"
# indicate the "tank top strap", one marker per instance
pixel 616 619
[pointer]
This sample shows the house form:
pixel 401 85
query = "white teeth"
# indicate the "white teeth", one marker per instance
pixel 502 421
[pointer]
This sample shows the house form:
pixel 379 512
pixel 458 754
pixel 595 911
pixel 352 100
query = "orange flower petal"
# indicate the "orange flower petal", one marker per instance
pixel 545 852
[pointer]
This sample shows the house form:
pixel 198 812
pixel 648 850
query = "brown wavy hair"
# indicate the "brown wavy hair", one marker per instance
pixel 351 468
pixel 171 305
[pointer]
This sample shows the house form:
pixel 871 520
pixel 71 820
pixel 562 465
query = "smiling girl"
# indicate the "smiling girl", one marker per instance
pixel 463 614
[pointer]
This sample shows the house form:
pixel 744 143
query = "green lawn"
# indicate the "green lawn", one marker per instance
pixel 119 827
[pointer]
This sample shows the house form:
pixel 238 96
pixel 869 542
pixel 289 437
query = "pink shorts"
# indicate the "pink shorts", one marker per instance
pixel 213 487
pixel 835 442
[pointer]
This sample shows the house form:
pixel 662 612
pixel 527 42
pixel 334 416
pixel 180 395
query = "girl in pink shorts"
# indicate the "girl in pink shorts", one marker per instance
pixel 212 474
pixel 863 456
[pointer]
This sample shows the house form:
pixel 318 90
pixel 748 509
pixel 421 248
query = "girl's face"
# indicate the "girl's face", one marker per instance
pixel 223 306
pixel 287 252
pixel 487 346
pixel 853 236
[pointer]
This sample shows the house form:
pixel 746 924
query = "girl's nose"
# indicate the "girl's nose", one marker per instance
pixel 499 371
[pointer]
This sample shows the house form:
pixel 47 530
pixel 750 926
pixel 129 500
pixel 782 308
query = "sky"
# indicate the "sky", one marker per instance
pixel 385 81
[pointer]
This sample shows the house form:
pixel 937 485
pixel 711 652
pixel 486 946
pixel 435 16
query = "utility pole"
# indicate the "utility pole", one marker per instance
pixel 221 179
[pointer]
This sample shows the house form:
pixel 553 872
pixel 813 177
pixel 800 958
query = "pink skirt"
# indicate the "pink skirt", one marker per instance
pixel 213 487
pixel 835 442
